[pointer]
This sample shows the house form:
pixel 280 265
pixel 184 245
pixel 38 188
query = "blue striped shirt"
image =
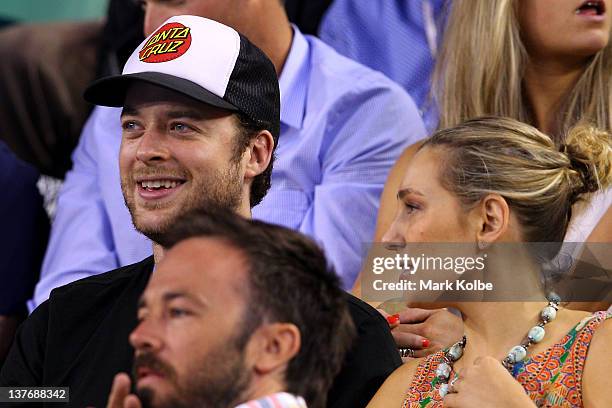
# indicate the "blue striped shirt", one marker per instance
pixel 399 38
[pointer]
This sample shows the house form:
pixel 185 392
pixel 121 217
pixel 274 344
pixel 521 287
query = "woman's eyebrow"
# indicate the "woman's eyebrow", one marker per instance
pixel 405 191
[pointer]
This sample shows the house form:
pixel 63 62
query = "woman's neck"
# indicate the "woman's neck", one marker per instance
pixel 493 328
pixel 547 84
pixel 505 316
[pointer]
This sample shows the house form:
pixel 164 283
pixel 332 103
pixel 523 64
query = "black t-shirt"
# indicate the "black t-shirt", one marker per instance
pixel 79 338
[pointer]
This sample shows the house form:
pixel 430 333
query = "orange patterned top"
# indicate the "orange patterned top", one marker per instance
pixel 552 378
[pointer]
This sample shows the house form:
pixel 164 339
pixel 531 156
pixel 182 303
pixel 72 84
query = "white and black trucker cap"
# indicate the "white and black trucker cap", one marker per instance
pixel 205 60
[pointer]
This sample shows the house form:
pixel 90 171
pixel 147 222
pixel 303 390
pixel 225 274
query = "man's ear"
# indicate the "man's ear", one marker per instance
pixel 494 215
pixel 275 345
pixel 259 154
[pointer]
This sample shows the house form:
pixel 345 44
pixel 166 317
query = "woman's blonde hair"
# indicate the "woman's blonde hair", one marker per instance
pixel 481 64
pixel 540 182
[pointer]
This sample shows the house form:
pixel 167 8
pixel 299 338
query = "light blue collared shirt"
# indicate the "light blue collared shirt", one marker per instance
pixel 342 128
pixel 403 47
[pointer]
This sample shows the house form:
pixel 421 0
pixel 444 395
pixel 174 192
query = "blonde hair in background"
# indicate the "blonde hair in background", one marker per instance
pixel 481 64
pixel 493 155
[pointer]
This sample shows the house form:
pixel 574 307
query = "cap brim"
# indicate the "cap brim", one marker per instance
pixel 111 91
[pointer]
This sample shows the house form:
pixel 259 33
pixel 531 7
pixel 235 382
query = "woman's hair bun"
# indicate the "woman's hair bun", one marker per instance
pixel 589 151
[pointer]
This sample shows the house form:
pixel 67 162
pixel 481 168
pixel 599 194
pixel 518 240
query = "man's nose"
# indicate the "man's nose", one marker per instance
pixel 144 338
pixel 152 147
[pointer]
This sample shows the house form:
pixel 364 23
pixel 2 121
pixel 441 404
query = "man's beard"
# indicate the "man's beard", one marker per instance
pixel 217 189
pixel 218 380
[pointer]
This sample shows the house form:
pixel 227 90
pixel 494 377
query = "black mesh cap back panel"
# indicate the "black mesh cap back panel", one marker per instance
pixel 253 87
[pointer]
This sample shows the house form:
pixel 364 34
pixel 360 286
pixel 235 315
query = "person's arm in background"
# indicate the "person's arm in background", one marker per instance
pixel 365 135
pixel 25 231
pixel 81 242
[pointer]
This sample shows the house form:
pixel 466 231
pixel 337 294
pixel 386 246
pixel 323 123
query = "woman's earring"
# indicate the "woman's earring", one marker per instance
pixel 482 245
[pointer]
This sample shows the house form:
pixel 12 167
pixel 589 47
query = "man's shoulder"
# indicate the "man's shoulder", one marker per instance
pixel 95 311
pixel 369 362
pixel 362 312
pixel 78 337
pixel 104 124
pixel 327 65
pixel 107 281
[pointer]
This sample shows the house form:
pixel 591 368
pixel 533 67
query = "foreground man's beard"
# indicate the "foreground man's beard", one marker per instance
pixel 216 189
pixel 217 380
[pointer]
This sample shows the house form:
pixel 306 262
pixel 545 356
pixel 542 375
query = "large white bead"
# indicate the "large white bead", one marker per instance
pixel 536 334
pixel 455 352
pixel 549 313
pixel 517 353
pixel 443 371
pixel 443 390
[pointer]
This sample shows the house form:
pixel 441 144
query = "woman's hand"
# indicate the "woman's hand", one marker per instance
pixel 425 331
pixel 486 383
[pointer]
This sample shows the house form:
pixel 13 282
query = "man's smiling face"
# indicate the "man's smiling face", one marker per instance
pixel 176 154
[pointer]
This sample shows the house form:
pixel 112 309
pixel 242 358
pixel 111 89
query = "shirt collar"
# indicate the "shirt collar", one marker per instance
pixel 280 399
pixel 293 81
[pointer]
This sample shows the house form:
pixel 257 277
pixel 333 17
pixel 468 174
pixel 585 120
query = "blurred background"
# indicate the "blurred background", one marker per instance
pixel 54 10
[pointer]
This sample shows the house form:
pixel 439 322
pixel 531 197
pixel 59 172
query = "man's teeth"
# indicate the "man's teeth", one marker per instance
pixel 159 184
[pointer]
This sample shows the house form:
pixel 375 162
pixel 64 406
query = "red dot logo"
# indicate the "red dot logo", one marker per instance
pixel 169 42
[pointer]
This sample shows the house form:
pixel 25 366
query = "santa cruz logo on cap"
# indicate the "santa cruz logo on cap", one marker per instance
pixel 169 42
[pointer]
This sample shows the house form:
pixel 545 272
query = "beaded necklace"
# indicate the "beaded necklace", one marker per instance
pixel 516 354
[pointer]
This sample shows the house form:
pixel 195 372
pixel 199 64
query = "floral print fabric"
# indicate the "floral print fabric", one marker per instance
pixel 552 378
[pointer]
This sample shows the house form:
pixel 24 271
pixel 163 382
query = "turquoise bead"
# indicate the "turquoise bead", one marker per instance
pixel 517 353
pixel 443 371
pixel 455 352
pixel 443 390
pixel 536 334
pixel 549 313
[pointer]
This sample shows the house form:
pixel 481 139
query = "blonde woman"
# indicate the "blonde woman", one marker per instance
pixel 520 188
pixel 543 62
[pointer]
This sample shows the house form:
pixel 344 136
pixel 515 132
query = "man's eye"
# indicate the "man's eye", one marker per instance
pixel 177 312
pixel 129 125
pixel 180 127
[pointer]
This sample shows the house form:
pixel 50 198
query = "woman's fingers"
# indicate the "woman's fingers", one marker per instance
pixel 409 339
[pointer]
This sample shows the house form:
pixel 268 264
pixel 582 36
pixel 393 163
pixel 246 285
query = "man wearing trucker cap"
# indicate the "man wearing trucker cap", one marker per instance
pixel 200 120
pixel 343 126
